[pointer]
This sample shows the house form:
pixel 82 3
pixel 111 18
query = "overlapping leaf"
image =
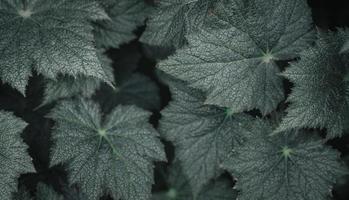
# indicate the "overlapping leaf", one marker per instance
pixel 235 65
pixel 137 90
pixel 172 20
pixel 203 135
pixel 14 159
pixel 284 166
pixel 50 36
pixel 179 188
pixel 113 155
pixel 125 17
pixel 319 97
pixel 68 86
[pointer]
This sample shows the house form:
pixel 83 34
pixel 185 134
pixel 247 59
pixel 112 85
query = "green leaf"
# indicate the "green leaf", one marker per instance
pixel 172 20
pixel 125 17
pixel 179 189
pixel 50 36
pixel 138 90
pixel 236 65
pixel 14 159
pixel 318 99
pixel 68 86
pixel 45 192
pixel 284 166
pixel 203 135
pixel 112 155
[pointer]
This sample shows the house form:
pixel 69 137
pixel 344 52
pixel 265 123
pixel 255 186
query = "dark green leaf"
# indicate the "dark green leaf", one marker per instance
pixel 202 135
pixel 284 166
pixel 112 155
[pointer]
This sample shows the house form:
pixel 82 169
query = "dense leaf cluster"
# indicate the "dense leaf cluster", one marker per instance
pixel 232 129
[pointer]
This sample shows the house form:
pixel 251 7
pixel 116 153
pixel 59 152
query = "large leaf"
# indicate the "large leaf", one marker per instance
pixel 50 36
pixel 319 97
pixel 203 135
pixel 284 166
pixel 112 155
pixel 235 65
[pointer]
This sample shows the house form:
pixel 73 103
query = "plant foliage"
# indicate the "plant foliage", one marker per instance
pixel 172 100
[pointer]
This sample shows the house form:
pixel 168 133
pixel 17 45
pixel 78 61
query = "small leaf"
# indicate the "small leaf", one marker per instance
pixel 138 90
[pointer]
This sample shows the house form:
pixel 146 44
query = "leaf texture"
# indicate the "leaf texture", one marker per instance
pixel 319 97
pixel 50 36
pixel 112 155
pixel 179 188
pixel 236 65
pixel 125 17
pixel 66 86
pixel 203 135
pixel 172 20
pixel 137 90
pixel 14 159
pixel 285 166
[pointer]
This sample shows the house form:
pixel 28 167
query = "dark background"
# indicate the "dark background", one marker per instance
pixel 327 14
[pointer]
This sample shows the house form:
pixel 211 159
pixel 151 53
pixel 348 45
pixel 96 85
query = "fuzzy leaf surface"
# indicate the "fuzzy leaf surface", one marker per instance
pixel 68 86
pixel 118 150
pixel 320 95
pixel 284 166
pixel 179 188
pixel 173 20
pixel 203 135
pixel 14 158
pixel 235 65
pixel 49 36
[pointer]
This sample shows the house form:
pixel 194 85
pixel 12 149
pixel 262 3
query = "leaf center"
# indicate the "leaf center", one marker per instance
pixel 171 193
pixel 267 57
pixel 102 132
pixel 25 13
pixel 286 152
pixel 229 112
